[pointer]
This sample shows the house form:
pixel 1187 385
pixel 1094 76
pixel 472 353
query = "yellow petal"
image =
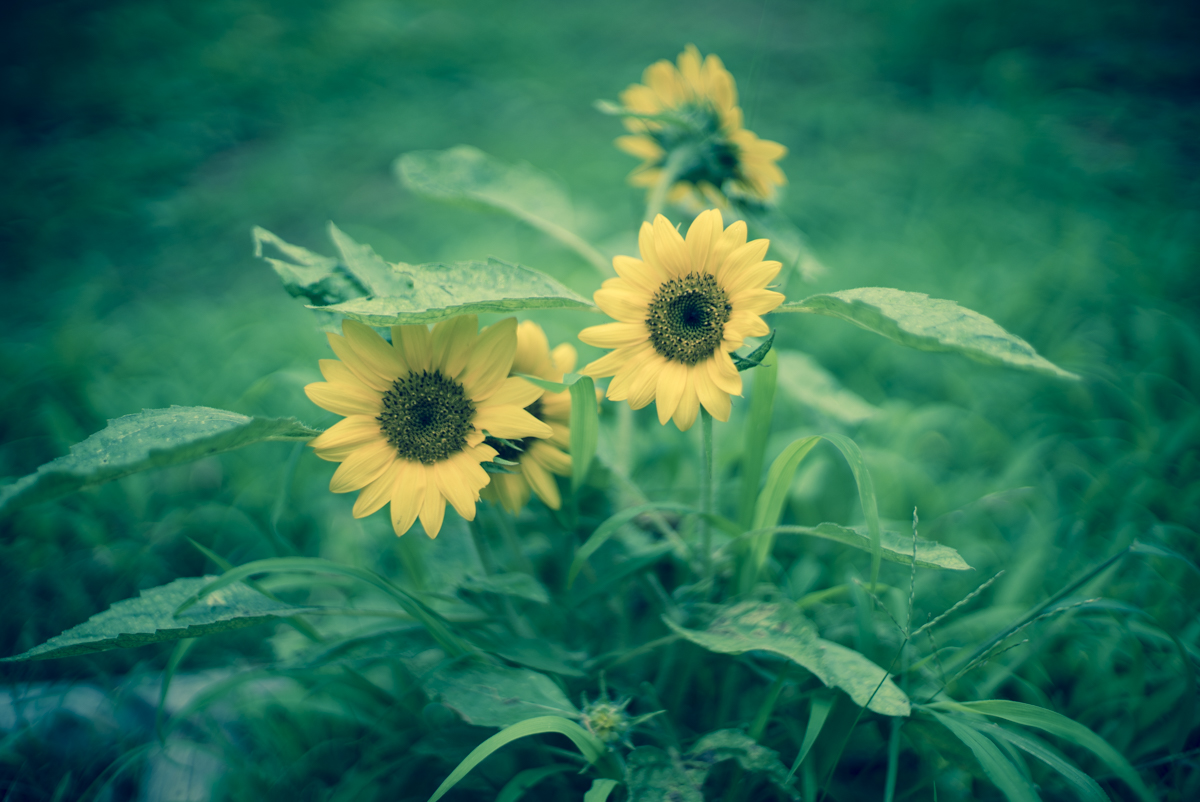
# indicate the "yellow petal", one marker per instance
pixel 745 324
pixel 511 423
pixel 415 346
pixel 515 392
pixel 759 302
pixel 625 306
pixel 670 248
pixel 641 146
pixel 703 234
pixel 752 279
pixel 453 485
pixel 563 357
pixel 689 406
pixel 362 371
pixel 533 349
pixel 741 259
pixel 646 277
pixel 730 240
pixel 609 364
pixel 615 335
pixel 345 399
pixel 408 494
pixel 433 508
pixel 490 360
pixel 561 436
pixel 375 495
pixel 724 373
pixel 379 356
pixel 549 458
pixel 716 402
pixel 337 373
pixel 451 342
pixel 671 382
pixel 641 390
pixel 353 431
pixel 363 467
pixel 542 483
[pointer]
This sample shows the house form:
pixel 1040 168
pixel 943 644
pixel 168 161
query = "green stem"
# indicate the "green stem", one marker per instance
pixel 706 492
pixel 481 546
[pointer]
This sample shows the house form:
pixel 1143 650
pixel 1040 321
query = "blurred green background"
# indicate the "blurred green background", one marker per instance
pixel 1036 162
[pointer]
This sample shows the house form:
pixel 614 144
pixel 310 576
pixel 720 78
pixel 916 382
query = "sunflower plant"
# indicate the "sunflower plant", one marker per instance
pixel 556 531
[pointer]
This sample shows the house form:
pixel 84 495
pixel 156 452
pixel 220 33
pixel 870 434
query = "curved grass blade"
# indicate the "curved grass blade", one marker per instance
pixel 177 654
pixel 999 769
pixel 816 720
pixel 1063 727
pixel 433 623
pixel 588 745
pixel 515 788
pixel 929 324
pixel 600 790
pixel 152 438
pixel 894 547
pixel 1087 789
pixel 758 429
pixel 769 506
pixel 609 528
pixel 866 496
pixel 585 430
pixel 464 173
pixel 152 618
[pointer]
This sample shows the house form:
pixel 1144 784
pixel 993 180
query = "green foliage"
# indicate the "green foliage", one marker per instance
pixel 894 547
pixel 399 293
pixel 151 618
pixel 496 696
pixel 153 438
pixel 929 324
pixel 777 628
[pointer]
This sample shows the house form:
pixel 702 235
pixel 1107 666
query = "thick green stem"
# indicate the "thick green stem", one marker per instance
pixel 706 491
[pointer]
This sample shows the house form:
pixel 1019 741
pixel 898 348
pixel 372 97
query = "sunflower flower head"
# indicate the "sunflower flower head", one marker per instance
pixel 538 458
pixel 417 412
pixel 680 310
pixel 689 110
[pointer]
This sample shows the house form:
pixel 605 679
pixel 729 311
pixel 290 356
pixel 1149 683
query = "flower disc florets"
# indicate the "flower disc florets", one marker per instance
pixel 687 318
pixel 426 416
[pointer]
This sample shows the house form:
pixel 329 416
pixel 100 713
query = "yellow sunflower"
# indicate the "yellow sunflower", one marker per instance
pixel 416 412
pixel 680 310
pixel 539 458
pixel 694 106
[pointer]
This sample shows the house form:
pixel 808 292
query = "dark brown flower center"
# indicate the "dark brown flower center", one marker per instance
pixel 687 318
pixel 426 416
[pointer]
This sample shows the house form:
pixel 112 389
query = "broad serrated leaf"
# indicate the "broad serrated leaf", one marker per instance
pixel 750 755
pixel 652 775
pixel 929 324
pixel 464 173
pixel 802 379
pixel 780 629
pixel 150 618
pixel 522 586
pixel 894 547
pixel 489 695
pixel 152 438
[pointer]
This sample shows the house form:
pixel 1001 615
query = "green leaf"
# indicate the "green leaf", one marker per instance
pixel 489 695
pixel 816 720
pixel 929 324
pixel 769 506
pixel 515 788
pixel 801 378
pixel 316 278
pixel 599 791
pixel 736 745
pixel 585 430
pixel 780 629
pixel 152 438
pixel 758 429
pixel 652 775
pixel 1087 789
pixel 521 586
pixel 895 547
pixel 1063 727
pixel 755 357
pixel 866 495
pixel 464 173
pixel 588 745
pixel 150 619
pixel 999 769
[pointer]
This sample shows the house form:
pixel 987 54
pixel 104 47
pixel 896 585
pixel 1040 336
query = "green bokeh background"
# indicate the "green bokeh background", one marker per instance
pixel 1039 163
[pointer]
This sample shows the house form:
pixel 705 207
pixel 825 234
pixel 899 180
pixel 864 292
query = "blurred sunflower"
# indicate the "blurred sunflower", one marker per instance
pixel 417 409
pixel 680 310
pixel 538 459
pixel 691 110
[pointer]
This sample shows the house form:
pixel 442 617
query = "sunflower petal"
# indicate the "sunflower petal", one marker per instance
pixel 724 373
pixel 533 349
pixel 610 363
pixel 357 365
pixel 353 431
pixel 363 467
pixel 373 351
pixel 716 402
pixel 615 335
pixel 514 391
pixel 624 305
pixel 743 258
pixel 641 390
pixel 753 279
pixel 408 494
pixel 703 234
pixel 510 422
pixel 689 406
pixel 453 485
pixel 542 483
pixel 563 357
pixel 549 458
pixel 451 342
pixel 671 382
pixel 433 508
pixel 415 346
pixel 671 250
pixel 375 495
pixel 758 302
pixel 337 373
pixel 344 399
pixel 490 360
